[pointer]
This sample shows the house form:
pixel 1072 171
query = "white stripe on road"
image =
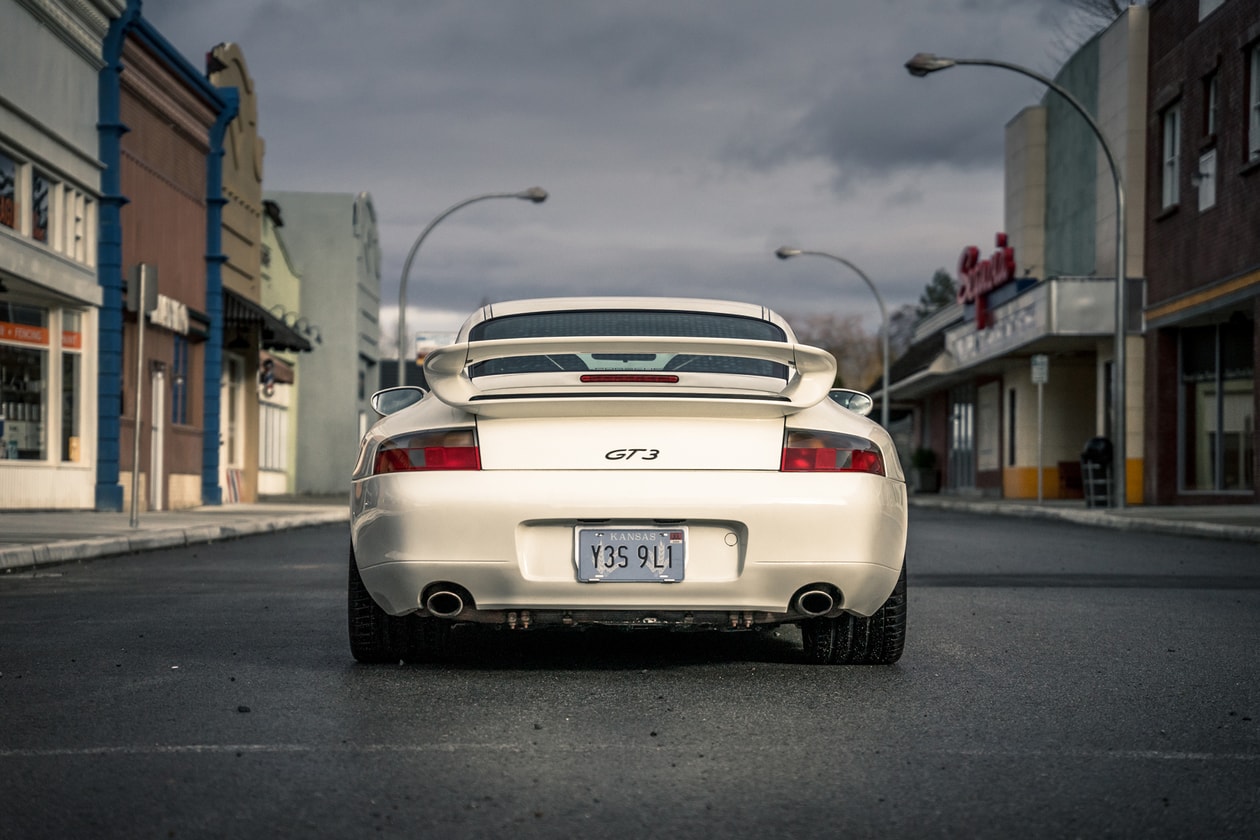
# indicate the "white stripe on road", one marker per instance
pixel 216 749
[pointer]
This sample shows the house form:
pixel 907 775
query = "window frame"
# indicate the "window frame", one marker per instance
pixel 1253 103
pixel 1170 156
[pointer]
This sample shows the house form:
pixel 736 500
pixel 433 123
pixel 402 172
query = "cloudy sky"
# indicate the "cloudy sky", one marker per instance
pixel 681 142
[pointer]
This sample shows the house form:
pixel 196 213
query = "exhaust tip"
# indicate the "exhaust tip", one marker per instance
pixel 444 603
pixel 815 602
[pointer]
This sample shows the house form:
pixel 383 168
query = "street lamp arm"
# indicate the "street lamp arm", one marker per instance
pixel 535 194
pixel 883 312
pixel 787 253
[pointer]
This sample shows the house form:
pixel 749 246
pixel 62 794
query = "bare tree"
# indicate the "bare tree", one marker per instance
pixel 857 352
pixel 1085 19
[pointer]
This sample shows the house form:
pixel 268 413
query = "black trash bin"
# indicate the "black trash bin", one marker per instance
pixel 1096 461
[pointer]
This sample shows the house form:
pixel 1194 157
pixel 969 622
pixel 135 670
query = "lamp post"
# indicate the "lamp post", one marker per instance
pixel 787 253
pixel 535 194
pixel 924 63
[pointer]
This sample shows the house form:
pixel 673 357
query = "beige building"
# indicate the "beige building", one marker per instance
pixel 250 332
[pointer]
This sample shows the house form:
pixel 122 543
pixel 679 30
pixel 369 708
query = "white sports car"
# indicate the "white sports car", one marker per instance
pixel 638 462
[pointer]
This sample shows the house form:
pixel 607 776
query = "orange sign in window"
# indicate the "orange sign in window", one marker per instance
pixel 71 340
pixel 24 333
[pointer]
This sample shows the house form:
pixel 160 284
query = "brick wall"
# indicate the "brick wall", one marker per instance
pixel 1188 248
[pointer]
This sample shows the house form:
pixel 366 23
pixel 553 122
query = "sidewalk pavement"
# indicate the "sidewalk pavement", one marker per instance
pixel 37 538
pixel 1227 522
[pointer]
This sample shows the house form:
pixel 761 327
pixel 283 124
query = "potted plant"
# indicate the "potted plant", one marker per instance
pixel 924 477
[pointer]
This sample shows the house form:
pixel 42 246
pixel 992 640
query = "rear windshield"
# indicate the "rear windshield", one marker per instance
pixel 628 323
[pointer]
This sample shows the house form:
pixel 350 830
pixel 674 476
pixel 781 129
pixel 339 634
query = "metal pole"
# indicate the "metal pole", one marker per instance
pixel 924 63
pixel 534 194
pixel 142 275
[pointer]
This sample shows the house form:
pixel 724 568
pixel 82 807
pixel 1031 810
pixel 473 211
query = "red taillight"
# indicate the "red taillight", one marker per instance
pixel 450 449
pixel 805 451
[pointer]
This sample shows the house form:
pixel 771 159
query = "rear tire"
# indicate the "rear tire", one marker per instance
pixel 850 640
pixel 377 637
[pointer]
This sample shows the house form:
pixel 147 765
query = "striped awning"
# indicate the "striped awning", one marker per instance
pixel 275 334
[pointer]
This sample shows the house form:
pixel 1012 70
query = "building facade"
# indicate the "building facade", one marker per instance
pixel 1202 214
pixel 50 192
pixel 1013 382
pixel 161 139
pixel 251 331
pixel 278 422
pixel 333 241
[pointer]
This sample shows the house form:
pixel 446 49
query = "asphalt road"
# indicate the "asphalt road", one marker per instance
pixel 1058 681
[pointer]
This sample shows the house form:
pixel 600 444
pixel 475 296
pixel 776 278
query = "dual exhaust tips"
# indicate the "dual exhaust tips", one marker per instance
pixel 449 601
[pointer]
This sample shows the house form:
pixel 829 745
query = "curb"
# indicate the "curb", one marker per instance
pixel 1098 519
pixel 17 557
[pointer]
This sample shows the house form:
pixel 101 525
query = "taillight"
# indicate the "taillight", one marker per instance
pixel 447 449
pixel 806 451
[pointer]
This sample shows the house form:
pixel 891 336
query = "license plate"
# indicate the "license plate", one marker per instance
pixel 656 555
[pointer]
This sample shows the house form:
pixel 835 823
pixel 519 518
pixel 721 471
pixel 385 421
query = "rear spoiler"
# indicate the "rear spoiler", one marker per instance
pixel 811 374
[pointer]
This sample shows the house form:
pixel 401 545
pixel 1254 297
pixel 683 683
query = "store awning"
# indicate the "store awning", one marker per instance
pixel 275 334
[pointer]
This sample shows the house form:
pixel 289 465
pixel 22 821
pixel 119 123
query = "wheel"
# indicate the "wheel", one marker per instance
pixel 850 640
pixel 377 637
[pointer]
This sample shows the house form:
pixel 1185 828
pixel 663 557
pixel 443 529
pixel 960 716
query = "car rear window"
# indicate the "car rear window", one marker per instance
pixel 628 323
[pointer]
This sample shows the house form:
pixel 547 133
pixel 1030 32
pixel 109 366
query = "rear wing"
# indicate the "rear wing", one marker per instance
pixel 810 375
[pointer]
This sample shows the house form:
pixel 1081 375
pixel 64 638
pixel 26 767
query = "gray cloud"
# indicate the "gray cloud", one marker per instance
pixel 681 141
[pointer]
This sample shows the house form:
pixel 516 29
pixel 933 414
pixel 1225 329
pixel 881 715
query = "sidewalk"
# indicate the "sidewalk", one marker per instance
pixel 36 538
pixel 1227 522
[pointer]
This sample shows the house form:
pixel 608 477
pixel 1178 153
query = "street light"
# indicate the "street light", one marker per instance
pixel 535 194
pixel 924 63
pixel 787 253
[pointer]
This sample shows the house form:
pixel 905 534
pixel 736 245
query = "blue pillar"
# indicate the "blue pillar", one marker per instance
pixel 110 128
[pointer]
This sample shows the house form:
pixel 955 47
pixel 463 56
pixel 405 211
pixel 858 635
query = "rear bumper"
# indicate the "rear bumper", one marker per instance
pixel 754 540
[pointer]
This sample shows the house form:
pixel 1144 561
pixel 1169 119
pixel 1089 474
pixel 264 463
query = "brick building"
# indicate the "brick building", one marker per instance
pixel 1203 251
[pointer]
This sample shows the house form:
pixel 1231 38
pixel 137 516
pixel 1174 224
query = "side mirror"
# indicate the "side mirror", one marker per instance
pixel 855 401
pixel 396 399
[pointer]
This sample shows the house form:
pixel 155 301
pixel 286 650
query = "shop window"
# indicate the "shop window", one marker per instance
pixel 232 400
pixel 962 437
pixel 24 350
pixel 1217 407
pixel 1170 171
pixel 40 186
pixel 8 192
pixel 71 385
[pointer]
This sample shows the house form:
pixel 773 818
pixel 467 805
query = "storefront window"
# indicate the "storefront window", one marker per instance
pixel 1218 407
pixel 71 387
pixel 39 207
pixel 8 191
pixel 23 381
pixel 962 437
